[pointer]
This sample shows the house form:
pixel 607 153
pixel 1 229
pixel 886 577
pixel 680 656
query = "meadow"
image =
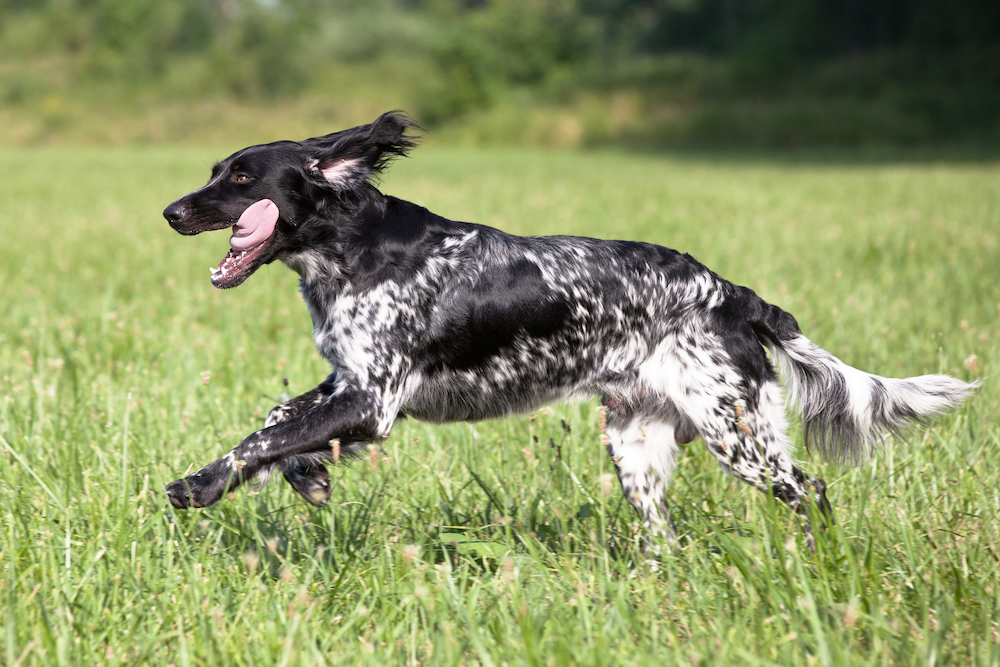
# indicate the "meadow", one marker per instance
pixel 497 543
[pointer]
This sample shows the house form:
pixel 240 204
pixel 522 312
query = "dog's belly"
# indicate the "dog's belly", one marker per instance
pixel 522 377
pixel 474 396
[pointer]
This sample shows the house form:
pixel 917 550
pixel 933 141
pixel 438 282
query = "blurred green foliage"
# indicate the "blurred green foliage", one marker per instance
pixel 251 49
pixel 648 72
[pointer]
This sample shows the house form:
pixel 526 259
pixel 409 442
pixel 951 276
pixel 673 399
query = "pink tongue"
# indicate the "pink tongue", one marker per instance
pixel 255 225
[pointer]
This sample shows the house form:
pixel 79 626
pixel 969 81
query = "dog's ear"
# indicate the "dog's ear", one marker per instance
pixel 345 159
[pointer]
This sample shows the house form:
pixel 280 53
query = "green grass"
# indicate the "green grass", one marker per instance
pixel 492 543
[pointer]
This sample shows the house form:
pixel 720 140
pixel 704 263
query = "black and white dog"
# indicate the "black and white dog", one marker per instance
pixel 449 321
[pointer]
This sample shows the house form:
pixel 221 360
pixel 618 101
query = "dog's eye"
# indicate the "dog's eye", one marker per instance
pixel 242 178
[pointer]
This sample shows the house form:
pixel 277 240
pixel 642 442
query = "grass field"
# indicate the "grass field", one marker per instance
pixel 499 543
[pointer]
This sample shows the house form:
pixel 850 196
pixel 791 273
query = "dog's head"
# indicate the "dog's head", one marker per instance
pixel 280 198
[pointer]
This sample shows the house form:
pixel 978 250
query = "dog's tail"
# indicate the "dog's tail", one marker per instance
pixel 846 412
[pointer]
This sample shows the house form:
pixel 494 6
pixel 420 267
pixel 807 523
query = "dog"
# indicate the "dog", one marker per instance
pixel 449 321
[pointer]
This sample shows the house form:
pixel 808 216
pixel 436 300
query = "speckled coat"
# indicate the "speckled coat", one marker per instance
pixel 448 321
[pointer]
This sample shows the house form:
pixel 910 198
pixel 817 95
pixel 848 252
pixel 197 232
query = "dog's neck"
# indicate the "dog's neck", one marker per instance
pixel 314 268
pixel 322 266
pixel 386 239
pixel 320 281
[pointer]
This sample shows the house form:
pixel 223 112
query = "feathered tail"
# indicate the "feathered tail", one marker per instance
pixel 846 412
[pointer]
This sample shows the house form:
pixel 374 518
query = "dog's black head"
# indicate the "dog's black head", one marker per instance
pixel 281 198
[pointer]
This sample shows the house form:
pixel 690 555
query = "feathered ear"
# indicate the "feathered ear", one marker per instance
pixel 346 159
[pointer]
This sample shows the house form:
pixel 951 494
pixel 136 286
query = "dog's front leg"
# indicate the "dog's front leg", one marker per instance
pixel 295 406
pixel 349 415
pixel 307 475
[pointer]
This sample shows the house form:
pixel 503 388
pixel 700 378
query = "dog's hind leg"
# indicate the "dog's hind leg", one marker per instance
pixel 748 437
pixel 643 449
pixel 306 474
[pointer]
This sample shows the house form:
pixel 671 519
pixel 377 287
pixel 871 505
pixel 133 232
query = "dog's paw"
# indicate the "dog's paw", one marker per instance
pixel 822 503
pixel 198 490
pixel 177 494
pixel 313 484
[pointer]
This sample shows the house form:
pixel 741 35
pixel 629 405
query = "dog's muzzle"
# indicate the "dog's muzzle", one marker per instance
pixel 174 214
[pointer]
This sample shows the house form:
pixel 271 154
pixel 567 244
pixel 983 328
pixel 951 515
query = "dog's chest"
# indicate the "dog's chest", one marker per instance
pixel 363 334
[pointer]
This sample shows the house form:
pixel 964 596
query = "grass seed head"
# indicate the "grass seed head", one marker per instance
pixel 850 616
pixel 251 560
pixel 606 484
pixel 972 363
pixel 509 572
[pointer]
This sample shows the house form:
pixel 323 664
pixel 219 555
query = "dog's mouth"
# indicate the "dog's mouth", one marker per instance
pixel 251 235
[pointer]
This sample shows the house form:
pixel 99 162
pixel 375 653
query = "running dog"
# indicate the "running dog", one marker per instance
pixel 449 321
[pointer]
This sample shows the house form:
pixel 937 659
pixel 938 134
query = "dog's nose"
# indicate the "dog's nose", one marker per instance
pixel 174 213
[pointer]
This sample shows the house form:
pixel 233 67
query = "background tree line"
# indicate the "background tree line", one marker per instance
pixel 648 72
